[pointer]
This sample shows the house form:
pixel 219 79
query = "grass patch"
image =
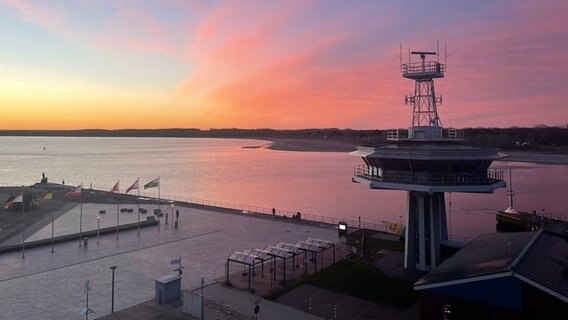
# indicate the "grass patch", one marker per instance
pixel 361 279
pixel 374 245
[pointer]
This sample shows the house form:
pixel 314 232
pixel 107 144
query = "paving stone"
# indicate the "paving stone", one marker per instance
pixel 48 285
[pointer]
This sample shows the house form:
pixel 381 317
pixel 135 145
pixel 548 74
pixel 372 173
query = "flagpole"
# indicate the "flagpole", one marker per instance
pixel 80 222
pixel 159 199
pixel 23 241
pixel 117 216
pixel 52 230
pixel 117 208
pixel 138 203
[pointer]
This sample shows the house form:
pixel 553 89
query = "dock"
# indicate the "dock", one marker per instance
pixel 527 221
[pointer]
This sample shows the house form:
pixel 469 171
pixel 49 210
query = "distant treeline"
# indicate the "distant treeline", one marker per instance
pixel 540 138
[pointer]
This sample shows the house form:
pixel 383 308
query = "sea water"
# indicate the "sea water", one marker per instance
pixel 222 170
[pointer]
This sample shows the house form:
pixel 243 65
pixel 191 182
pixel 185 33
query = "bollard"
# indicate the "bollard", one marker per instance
pixel 309 304
pixel 85 241
pixel 218 317
pixel 334 311
pixel 228 311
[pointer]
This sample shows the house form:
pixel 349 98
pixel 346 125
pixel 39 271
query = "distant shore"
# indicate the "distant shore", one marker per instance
pixel 310 145
pixel 335 146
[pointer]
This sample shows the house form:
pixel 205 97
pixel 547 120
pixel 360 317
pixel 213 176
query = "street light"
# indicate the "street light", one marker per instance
pixel 98 226
pixel 173 205
pixel 112 297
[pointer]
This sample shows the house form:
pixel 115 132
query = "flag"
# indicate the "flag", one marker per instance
pixel 19 198
pixel 74 193
pixel 393 227
pixel 115 188
pixel 134 186
pixel 152 184
pixel 48 196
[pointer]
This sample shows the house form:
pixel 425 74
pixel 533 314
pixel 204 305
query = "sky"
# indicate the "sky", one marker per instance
pixel 276 64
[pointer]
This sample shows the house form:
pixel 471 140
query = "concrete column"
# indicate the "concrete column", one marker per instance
pixel 410 235
pixel 443 221
pixel 421 228
pixel 426 217
pixel 435 220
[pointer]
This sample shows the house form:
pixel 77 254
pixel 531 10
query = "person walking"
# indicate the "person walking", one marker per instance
pixel 273 211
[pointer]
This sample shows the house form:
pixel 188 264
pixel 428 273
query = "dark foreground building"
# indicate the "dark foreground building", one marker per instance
pixel 500 276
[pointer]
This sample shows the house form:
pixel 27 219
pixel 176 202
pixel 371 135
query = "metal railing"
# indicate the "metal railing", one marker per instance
pixel 422 67
pixel 409 177
pixel 397 134
pixel 404 134
pixel 250 209
pixel 452 134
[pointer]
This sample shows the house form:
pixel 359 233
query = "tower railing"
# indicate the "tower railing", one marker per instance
pixel 449 134
pixel 427 178
pixel 423 67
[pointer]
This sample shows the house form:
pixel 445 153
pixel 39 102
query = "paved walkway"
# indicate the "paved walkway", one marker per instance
pixel 240 304
pixel 48 285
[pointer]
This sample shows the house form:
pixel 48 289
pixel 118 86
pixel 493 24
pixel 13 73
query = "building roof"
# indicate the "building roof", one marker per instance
pixel 168 278
pixel 537 258
pixel 545 263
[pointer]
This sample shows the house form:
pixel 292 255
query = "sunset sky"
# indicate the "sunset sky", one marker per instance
pixel 276 64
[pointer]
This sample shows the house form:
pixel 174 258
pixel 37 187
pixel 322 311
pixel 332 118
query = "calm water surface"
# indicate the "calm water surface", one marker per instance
pixel 221 170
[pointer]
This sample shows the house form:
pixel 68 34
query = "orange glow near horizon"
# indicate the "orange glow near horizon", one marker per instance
pixel 301 64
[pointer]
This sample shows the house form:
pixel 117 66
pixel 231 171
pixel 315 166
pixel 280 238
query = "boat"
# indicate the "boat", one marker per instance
pixel 511 220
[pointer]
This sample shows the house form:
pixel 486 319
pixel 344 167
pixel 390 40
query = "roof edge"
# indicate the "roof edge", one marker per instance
pixel 541 287
pixel 462 281
pixel 526 249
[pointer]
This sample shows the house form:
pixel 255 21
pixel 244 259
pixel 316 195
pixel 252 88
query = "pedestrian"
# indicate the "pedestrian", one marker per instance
pixel 177 215
pixel 299 215
pixel 273 211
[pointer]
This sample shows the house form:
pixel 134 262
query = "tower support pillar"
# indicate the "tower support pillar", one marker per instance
pixel 426 227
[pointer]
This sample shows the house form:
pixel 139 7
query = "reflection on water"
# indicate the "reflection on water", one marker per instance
pixel 220 169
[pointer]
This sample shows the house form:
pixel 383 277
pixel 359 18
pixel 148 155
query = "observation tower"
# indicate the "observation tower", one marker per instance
pixel 426 161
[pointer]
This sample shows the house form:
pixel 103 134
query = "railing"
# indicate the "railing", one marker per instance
pixel 245 208
pixel 452 134
pixel 425 178
pixel 397 134
pixel 420 67
pixel 260 210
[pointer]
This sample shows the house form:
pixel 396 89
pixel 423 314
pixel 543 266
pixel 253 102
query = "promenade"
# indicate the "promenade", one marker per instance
pixel 48 285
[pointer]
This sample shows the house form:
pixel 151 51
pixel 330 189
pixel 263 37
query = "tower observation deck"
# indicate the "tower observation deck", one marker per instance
pixel 427 160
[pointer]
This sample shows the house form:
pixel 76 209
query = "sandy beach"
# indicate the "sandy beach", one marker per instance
pixel 336 146
pixel 307 145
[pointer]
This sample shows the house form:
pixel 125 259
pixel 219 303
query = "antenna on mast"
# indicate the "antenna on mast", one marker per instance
pixel 438 50
pixel 510 192
pixel 445 54
pixel 400 56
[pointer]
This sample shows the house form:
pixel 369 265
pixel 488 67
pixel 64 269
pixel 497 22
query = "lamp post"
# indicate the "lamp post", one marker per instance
pixel 112 296
pixel 173 205
pixel 98 227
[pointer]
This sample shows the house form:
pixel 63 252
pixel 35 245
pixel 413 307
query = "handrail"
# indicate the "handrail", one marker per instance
pixel 419 67
pixel 397 176
pixel 262 210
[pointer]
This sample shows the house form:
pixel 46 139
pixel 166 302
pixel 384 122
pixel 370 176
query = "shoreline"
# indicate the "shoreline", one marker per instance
pixel 300 145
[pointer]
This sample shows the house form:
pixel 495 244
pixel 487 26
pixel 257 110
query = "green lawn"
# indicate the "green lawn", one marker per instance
pixel 361 279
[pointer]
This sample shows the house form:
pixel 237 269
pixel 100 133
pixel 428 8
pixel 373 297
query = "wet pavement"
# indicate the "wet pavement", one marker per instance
pixel 48 285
